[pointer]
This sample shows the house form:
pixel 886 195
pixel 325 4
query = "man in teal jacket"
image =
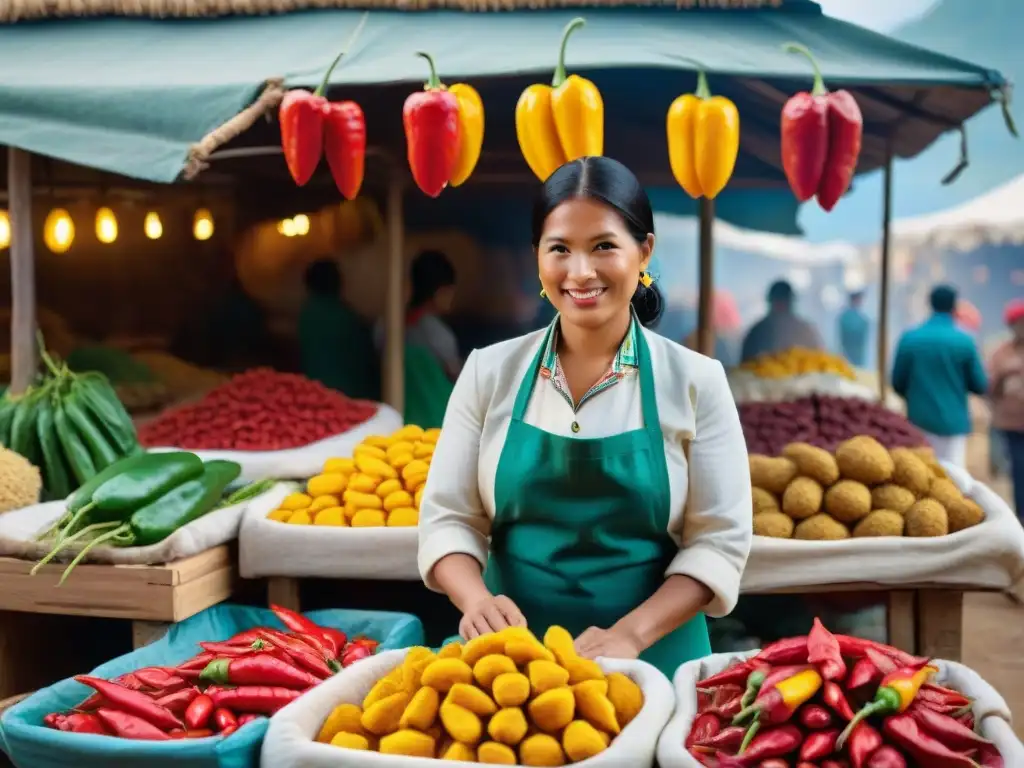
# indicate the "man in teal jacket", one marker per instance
pixel 937 365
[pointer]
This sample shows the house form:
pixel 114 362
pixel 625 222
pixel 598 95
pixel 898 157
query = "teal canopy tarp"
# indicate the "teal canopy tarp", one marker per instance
pixel 131 95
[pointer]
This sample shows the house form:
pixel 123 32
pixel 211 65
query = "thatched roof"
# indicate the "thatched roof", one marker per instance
pixel 21 10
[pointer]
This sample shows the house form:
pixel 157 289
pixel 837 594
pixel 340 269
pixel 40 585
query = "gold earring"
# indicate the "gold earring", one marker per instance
pixel 543 293
pixel 646 279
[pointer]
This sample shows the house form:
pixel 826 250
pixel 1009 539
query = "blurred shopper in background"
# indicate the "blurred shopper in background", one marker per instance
pixel 853 331
pixel 335 344
pixel 937 366
pixel 1006 389
pixel 781 328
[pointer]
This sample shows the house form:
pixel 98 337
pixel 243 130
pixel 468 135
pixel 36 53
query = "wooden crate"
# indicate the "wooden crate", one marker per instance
pixel 148 593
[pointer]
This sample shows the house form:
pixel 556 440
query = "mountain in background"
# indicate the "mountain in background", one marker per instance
pixel 983 32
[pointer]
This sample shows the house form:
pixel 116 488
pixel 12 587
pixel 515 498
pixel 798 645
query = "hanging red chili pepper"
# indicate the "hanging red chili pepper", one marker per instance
pixel 431 121
pixel 821 139
pixel 302 116
pixel 345 146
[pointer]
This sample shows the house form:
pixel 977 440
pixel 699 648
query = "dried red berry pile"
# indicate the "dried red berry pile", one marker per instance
pixel 259 410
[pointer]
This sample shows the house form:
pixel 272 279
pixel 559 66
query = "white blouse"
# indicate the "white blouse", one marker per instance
pixel 710 493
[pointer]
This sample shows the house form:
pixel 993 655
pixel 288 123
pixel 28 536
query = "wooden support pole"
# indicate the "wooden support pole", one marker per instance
pixel 23 278
pixel 394 309
pixel 706 279
pixel 883 285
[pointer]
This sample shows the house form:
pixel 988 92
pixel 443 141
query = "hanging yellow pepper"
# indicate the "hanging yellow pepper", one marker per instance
pixel 560 122
pixel 471 131
pixel 703 140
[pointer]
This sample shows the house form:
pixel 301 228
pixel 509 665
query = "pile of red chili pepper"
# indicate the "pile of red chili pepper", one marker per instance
pixel 259 410
pixel 825 700
pixel 228 684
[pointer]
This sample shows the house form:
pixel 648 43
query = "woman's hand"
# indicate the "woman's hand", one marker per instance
pixel 490 614
pixel 611 643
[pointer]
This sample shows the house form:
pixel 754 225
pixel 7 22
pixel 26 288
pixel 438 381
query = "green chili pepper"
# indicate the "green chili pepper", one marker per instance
pixel 175 509
pixel 24 438
pixel 7 408
pixel 99 399
pixel 139 481
pixel 250 491
pixel 102 453
pixel 74 449
pixel 56 474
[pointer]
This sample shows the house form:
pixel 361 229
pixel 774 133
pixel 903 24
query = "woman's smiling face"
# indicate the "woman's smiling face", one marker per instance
pixel 589 263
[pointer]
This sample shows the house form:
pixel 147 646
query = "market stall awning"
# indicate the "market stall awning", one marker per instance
pixel 130 95
pixel 996 217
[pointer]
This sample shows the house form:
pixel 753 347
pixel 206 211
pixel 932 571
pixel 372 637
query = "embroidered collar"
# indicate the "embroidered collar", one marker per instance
pixel 623 364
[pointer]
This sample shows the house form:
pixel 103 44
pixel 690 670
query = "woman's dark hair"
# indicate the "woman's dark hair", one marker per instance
pixel 323 278
pixel 607 180
pixel 430 272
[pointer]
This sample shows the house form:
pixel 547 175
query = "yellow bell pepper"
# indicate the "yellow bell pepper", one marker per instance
pixel 703 140
pixel 471 131
pixel 560 122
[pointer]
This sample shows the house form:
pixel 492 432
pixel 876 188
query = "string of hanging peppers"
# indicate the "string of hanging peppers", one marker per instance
pixel 821 138
pixel 703 140
pixel 312 126
pixel 444 132
pixel 821 132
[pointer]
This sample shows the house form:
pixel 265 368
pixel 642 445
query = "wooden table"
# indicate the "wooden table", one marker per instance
pixel 924 619
pixel 152 597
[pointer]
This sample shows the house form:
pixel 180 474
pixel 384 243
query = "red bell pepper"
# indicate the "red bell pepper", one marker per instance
pixel 345 146
pixel 821 139
pixel 302 116
pixel 431 121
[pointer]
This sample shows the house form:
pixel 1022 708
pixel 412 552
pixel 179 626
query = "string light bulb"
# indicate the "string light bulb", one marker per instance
pixel 5 230
pixel 58 231
pixel 106 226
pixel 152 226
pixel 202 225
pixel 301 223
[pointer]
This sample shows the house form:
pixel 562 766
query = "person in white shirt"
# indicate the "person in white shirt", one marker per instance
pixel 595 473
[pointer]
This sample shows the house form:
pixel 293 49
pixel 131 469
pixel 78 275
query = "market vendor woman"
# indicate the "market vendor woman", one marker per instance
pixel 594 473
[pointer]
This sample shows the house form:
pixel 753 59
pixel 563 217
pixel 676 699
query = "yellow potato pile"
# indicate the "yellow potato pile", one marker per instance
pixel 380 485
pixel 797 361
pixel 862 490
pixel 500 699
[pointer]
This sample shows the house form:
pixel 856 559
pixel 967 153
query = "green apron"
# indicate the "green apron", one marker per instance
pixel 580 537
pixel 427 387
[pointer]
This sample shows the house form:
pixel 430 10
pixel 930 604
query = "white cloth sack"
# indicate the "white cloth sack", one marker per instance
pixel 271 548
pixel 290 742
pixel 990 709
pixel 989 555
pixel 748 387
pixel 309 459
pixel 19 528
